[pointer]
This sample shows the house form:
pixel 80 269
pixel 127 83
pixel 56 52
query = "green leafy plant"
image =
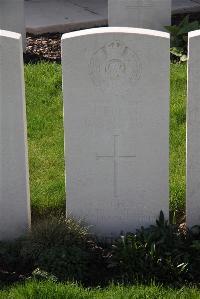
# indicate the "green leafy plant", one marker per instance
pixel 179 38
pixel 161 252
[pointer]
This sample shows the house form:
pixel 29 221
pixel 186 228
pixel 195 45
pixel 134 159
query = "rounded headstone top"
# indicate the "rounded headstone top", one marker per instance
pixel 153 33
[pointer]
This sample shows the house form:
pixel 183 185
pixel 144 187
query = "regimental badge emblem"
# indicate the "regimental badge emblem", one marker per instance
pixel 115 66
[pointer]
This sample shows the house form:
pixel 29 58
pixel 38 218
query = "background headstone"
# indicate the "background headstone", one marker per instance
pixel 150 14
pixel 193 131
pixel 12 17
pixel 116 114
pixel 14 186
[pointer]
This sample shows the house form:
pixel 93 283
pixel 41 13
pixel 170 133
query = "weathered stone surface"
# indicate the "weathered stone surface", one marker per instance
pixel 12 17
pixel 193 131
pixel 116 114
pixel 150 14
pixel 14 187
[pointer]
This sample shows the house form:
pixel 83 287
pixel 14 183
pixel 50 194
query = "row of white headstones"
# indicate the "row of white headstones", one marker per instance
pixel 116 119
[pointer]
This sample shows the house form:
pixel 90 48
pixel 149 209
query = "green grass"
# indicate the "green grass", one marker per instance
pixel 178 138
pixel 44 290
pixel 45 136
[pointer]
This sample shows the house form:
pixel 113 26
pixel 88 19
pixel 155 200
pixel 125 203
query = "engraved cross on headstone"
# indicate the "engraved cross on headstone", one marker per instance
pixel 116 156
pixel 139 5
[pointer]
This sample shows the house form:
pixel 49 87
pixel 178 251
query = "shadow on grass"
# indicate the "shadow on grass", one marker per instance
pixel 38 214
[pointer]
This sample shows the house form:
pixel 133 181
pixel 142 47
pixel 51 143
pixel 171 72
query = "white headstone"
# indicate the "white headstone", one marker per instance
pixel 150 14
pixel 12 17
pixel 14 187
pixel 193 131
pixel 116 110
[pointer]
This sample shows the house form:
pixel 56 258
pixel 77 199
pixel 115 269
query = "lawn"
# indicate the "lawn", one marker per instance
pixel 178 138
pixel 43 290
pixel 45 137
pixel 46 145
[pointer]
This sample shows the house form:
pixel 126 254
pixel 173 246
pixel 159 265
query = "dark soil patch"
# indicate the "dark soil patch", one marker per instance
pixel 176 19
pixel 43 47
